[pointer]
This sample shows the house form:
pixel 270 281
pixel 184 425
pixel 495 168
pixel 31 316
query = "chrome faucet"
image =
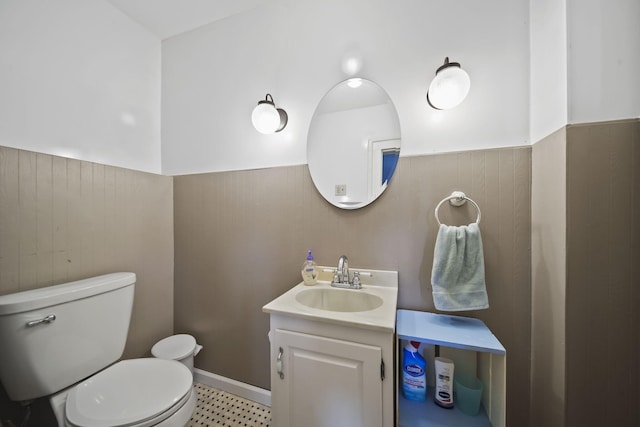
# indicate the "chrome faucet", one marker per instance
pixel 343 269
pixel 341 276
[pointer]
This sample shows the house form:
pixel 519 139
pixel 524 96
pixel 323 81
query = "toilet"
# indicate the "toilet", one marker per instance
pixel 122 395
pixel 65 342
pixel 180 347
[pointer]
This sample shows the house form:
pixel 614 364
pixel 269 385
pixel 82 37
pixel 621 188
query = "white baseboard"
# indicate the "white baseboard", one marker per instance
pixel 238 388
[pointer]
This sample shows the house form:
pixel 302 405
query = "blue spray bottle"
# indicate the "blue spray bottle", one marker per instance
pixel 414 380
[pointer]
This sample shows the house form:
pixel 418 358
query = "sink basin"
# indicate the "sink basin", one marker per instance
pixel 339 300
pixel 373 307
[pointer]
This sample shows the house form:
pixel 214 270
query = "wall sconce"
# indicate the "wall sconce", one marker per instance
pixel 449 87
pixel 266 118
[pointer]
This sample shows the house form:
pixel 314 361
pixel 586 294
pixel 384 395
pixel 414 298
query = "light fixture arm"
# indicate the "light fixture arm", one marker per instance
pixel 447 64
pixel 267 100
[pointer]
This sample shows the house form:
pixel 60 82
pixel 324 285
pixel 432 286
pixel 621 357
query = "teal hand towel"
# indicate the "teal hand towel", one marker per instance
pixel 457 276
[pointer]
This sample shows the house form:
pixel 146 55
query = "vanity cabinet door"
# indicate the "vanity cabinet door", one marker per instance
pixel 326 382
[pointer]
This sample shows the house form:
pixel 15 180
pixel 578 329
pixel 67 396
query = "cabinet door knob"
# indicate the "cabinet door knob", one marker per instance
pixel 279 364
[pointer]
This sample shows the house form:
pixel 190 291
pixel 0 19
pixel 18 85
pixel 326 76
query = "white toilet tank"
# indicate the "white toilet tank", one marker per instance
pixel 55 336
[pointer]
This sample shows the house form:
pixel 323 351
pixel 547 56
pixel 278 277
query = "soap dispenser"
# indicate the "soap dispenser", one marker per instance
pixel 310 270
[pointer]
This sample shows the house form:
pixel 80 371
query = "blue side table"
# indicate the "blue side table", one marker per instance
pixel 488 361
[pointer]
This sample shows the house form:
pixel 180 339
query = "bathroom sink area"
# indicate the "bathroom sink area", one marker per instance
pixel 347 300
pixel 372 307
pixel 336 338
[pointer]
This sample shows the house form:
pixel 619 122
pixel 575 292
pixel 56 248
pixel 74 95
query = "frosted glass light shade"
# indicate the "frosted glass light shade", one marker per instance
pixel 449 87
pixel 265 118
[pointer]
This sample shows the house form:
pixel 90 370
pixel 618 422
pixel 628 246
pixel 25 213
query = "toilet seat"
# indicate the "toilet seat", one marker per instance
pixel 135 392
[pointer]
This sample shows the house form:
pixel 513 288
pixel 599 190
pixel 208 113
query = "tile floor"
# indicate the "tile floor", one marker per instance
pixel 218 408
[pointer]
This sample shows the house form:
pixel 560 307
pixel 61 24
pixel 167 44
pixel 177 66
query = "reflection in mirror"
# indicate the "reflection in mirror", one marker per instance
pixel 353 143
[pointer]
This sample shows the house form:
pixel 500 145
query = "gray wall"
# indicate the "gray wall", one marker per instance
pixel 586 276
pixel 548 279
pixel 64 219
pixel 241 238
pixel 603 274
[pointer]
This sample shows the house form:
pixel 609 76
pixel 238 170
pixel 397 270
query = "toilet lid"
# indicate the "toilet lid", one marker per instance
pixel 128 392
pixel 175 347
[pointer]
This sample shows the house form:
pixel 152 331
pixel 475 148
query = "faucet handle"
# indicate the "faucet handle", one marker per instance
pixel 336 278
pixel 356 280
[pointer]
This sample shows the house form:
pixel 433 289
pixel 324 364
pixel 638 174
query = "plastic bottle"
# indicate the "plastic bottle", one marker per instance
pixel 444 382
pixel 310 271
pixel 414 380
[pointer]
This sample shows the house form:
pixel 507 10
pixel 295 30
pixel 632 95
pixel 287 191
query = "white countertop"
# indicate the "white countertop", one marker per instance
pixel 382 318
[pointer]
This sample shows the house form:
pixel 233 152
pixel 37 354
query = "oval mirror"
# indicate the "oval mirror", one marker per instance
pixel 353 143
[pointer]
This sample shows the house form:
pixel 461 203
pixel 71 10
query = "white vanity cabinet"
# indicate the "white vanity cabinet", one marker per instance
pixel 327 381
pixel 475 350
pixel 333 366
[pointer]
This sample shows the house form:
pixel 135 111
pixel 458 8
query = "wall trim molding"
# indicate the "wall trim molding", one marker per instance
pixel 604 122
pixel 238 388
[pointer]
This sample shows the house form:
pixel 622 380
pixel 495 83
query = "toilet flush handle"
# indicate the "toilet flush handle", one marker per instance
pixel 50 318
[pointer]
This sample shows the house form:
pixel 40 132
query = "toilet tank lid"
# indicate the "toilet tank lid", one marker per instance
pixel 65 292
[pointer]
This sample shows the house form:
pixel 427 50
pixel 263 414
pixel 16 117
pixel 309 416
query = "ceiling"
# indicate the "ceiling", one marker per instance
pixel 167 18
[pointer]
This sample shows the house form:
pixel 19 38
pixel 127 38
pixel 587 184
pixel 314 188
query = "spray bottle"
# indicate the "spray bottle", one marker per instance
pixel 414 380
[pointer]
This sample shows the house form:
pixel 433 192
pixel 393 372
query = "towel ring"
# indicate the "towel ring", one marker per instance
pixel 458 198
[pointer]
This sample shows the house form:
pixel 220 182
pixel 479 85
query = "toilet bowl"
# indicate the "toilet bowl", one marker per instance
pixel 133 393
